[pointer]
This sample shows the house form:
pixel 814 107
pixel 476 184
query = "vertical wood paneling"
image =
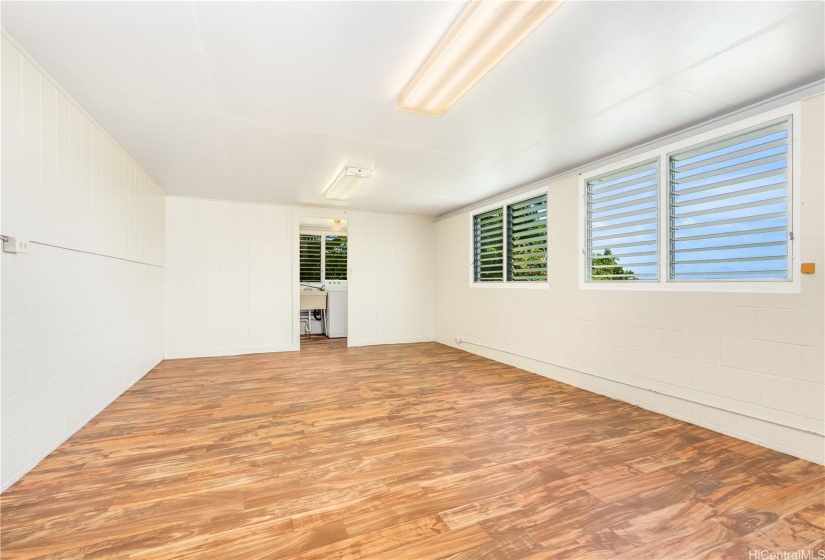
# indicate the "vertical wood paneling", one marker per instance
pixel 371 268
pixel 63 168
pixel 95 215
pixel 73 238
pixel 29 199
pixel 198 258
pixel 86 180
pixel 105 196
pixel 391 259
pixel 11 127
pixel 269 311
pixel 48 196
pixel 241 311
pixel 227 256
pixel 122 201
pixel 129 211
pixel 387 301
pixel 401 323
pixel 229 278
pixel 281 274
pixel 65 183
pixel 254 280
pixel 212 273
pixel 225 279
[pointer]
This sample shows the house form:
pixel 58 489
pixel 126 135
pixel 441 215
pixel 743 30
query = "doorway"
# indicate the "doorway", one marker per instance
pixel 323 282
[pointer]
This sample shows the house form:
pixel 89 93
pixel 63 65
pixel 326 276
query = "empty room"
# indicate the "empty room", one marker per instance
pixel 412 280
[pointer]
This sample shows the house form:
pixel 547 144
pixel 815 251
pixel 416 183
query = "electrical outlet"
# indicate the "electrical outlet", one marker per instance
pixel 15 245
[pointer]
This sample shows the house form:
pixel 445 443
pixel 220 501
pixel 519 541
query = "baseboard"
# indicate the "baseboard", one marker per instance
pixel 213 353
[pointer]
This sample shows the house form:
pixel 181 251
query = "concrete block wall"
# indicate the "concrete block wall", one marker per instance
pixel 745 364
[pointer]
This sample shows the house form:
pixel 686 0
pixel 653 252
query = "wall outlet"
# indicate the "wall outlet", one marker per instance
pixel 16 245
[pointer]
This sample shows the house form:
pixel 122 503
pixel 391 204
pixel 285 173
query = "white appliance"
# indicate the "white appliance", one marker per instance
pixel 336 323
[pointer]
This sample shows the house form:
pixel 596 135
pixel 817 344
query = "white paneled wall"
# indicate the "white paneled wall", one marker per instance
pixel 65 182
pixel 392 260
pixel 745 364
pixel 228 287
pixel 230 281
pixel 81 313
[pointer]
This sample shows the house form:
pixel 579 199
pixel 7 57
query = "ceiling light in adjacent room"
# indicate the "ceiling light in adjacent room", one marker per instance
pixel 483 34
pixel 349 180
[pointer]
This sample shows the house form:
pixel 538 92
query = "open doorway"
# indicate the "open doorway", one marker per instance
pixel 323 282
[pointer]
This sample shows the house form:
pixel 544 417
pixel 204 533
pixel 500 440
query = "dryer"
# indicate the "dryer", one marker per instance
pixel 336 320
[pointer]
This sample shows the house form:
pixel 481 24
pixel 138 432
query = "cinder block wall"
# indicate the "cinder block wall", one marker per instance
pixel 745 364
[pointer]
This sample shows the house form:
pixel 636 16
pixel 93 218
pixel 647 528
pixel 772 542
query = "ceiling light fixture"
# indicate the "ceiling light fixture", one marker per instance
pixel 482 35
pixel 347 182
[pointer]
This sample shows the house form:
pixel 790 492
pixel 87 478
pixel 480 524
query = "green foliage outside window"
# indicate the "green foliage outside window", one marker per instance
pixel 605 266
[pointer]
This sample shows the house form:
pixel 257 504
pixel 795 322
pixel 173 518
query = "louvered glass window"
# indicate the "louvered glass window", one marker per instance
pixel 527 240
pixel 310 253
pixel 729 211
pixel 623 224
pixel 488 246
pixel 335 257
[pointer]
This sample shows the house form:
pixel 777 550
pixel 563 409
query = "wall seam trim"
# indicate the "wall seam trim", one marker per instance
pixel 96 254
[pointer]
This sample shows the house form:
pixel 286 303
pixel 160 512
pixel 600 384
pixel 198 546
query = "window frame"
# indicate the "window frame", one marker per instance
pixel 323 235
pixel 790 285
pixel 321 261
pixel 503 204
pixel 324 255
pixel 587 239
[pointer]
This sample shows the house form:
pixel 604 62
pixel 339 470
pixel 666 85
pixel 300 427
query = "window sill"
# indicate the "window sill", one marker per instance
pixel 778 287
pixel 512 285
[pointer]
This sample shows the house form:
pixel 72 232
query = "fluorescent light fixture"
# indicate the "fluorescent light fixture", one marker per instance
pixel 482 35
pixel 347 182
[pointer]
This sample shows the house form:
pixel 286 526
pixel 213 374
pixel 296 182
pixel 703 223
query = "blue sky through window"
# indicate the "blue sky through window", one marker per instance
pixel 730 208
pixel 728 216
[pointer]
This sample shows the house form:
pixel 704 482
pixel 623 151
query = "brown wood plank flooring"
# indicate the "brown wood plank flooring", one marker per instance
pixel 412 451
pixel 312 341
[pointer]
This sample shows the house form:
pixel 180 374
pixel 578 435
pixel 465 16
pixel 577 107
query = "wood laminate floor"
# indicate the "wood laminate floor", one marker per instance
pixel 313 341
pixel 414 451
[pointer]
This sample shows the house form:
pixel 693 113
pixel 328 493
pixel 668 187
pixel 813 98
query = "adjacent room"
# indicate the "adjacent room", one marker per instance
pixel 408 280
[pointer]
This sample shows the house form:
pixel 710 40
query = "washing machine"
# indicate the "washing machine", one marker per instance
pixel 336 323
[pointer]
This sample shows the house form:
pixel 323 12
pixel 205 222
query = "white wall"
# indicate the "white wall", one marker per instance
pixel 81 313
pixel 231 278
pixel 745 364
pixel 392 281
pixel 228 283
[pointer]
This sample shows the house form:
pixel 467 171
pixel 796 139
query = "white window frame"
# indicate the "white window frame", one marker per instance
pixel 504 283
pixel 323 234
pixel 791 285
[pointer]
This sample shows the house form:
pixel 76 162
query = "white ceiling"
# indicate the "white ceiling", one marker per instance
pixel 266 101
